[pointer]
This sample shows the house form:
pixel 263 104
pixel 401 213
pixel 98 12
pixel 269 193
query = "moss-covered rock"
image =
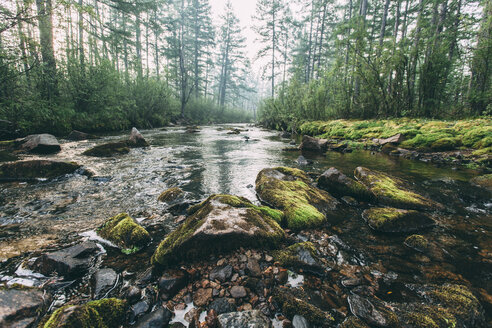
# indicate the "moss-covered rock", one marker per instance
pixel 171 195
pixel 339 185
pixel 353 322
pixel 426 316
pixel 388 219
pixel 125 232
pixel 484 181
pixel 417 242
pixel 105 313
pixel 392 191
pixel 445 144
pixel 27 170
pixel 218 224
pixel 108 149
pixel 290 190
pixel 293 302
pixel 300 256
pixel 373 311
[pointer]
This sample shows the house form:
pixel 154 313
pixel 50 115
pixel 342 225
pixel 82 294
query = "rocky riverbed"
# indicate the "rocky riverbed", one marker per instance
pixel 243 235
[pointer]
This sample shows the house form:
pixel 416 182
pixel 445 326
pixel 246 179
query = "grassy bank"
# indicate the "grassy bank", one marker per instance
pixel 419 134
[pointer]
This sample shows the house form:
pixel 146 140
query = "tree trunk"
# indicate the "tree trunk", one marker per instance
pixel 44 8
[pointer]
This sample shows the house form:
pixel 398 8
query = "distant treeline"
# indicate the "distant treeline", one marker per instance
pixel 377 59
pixel 97 65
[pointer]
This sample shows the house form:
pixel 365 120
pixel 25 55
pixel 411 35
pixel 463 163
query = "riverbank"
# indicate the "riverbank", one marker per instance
pixel 463 142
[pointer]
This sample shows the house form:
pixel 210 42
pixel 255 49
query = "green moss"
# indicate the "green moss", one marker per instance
pixel 396 220
pixel 180 243
pixel 483 151
pixel 417 242
pixel 170 195
pixel 125 232
pixel 106 313
pixel 474 138
pixel 293 305
pixel 353 322
pixel 288 189
pixel 391 191
pixel 458 300
pixel 445 144
pixel 429 317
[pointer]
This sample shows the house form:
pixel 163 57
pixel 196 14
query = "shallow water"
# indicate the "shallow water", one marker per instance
pixel 212 161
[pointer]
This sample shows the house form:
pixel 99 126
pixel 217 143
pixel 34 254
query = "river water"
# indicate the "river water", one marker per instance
pixel 34 214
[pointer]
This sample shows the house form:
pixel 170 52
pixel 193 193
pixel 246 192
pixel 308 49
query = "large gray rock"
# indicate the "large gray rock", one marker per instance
pixel 396 139
pixel 246 319
pixel 220 223
pixel 371 312
pixel 21 308
pixel 103 281
pixel 313 144
pixel 78 135
pixel 72 261
pixel 137 139
pixel 41 143
pixel 28 170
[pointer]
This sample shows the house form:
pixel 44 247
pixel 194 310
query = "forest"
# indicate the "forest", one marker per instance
pixel 104 65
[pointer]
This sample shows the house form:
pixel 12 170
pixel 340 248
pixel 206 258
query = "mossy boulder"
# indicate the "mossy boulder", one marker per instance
pixel 108 149
pixel 171 195
pixel 295 302
pixel 425 316
pixel 28 170
pixel 388 219
pixel 300 256
pixel 290 190
pixel 417 242
pixel 393 191
pixel 220 223
pixel 339 185
pixel 484 181
pixel 125 232
pixel 353 322
pixel 445 144
pixel 105 313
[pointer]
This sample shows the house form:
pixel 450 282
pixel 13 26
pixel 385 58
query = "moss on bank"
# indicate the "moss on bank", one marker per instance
pixel 420 134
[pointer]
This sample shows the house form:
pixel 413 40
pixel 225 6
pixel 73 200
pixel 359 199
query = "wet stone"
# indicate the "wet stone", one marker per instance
pixel 139 308
pixel 222 305
pixel 300 322
pixel 158 319
pixel 172 282
pixel 253 268
pixel 72 261
pixel 238 292
pixel 222 273
pixel 21 308
pixel 103 281
pixel 202 296
pixel 363 308
pixel 246 319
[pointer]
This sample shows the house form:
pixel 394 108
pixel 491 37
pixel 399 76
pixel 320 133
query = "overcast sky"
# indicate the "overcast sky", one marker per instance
pixel 244 10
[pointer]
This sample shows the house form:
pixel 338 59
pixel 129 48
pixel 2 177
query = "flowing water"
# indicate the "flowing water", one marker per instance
pixel 34 214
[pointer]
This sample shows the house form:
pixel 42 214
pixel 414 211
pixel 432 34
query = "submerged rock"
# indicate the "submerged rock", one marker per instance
pixel 372 312
pixel 41 144
pixel 27 170
pixel 246 319
pixel 220 223
pixel 392 191
pixel 72 261
pixel 137 139
pixel 125 232
pixel 417 242
pixel 289 190
pixel 21 308
pixel 300 256
pixel 484 181
pixel 171 195
pixel 387 219
pixel 78 136
pixel 313 144
pixel 108 149
pixel 338 184
pixel 293 304
pixel 106 313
